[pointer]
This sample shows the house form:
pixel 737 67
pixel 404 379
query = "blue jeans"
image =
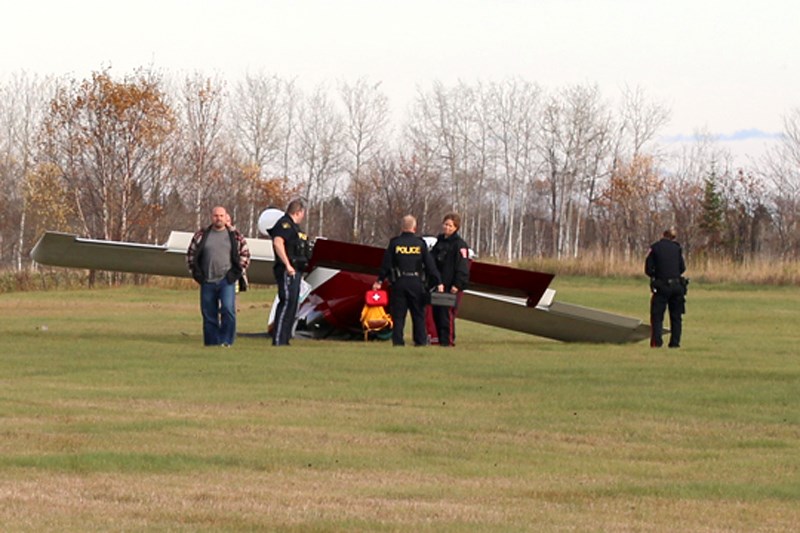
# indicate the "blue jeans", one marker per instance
pixel 218 307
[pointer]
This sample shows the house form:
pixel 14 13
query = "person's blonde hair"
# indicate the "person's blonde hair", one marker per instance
pixel 409 223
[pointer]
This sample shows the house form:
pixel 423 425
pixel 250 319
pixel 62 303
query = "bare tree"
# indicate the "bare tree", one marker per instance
pixel 575 141
pixel 746 213
pixel 641 119
pixel 202 121
pixel 8 179
pixel 438 132
pixel 290 101
pixel 259 124
pixel 514 119
pixel 449 135
pixel 319 151
pixel 23 103
pixel 479 153
pixel 782 168
pixel 366 128
pixel 402 185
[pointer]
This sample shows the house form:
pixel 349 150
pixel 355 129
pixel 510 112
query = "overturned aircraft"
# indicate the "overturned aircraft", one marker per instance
pixel 338 275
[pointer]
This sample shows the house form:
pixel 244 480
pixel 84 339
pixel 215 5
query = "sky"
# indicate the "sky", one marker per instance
pixel 730 69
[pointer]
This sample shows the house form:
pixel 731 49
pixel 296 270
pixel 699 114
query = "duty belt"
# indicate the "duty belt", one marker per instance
pixel 415 274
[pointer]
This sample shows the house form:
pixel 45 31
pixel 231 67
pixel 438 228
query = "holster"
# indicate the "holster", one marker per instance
pixel 685 284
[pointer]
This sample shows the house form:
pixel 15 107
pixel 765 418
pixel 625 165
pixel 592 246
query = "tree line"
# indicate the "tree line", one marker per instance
pixel 533 172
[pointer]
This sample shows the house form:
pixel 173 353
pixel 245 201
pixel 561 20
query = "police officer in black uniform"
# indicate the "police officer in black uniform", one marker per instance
pixel 291 249
pixel 451 255
pixel 406 262
pixel 665 267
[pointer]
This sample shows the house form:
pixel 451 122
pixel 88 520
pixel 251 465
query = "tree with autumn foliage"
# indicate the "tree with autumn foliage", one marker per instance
pixel 44 200
pixel 110 141
pixel 629 204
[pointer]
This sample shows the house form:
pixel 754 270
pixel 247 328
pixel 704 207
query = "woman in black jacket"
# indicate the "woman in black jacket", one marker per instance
pixel 451 254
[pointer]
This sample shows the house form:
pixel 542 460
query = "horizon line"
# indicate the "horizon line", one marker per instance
pixel 738 135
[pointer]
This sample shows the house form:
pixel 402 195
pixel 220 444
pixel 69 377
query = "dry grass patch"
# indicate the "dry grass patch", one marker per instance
pixel 334 501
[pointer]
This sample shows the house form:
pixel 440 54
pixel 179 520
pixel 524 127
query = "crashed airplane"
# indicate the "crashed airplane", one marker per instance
pixel 338 275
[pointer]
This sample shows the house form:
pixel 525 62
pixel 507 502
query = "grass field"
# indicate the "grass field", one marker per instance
pixel 114 417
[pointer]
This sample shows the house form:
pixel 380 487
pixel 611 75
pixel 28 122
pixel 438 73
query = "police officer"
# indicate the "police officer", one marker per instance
pixel 290 245
pixel 665 267
pixel 451 255
pixel 407 260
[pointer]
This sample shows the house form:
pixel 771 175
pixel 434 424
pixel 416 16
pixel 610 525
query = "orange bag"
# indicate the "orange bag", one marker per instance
pixel 373 316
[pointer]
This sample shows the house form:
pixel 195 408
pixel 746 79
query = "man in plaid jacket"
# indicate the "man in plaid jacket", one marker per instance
pixel 217 258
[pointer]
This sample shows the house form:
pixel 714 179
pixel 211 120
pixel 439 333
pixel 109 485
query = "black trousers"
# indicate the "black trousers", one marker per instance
pixel 408 294
pixel 445 319
pixel 672 296
pixel 285 313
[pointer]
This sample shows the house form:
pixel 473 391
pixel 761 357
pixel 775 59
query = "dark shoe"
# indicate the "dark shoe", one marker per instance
pixel 674 345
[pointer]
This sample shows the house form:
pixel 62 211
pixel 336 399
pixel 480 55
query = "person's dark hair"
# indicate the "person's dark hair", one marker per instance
pixel 670 233
pixel 455 218
pixel 295 206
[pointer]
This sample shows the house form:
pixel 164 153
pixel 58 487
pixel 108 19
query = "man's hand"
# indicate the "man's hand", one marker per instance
pixel 376 286
pixel 440 287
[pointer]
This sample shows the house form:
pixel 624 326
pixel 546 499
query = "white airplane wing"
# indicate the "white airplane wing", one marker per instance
pixel 66 250
pixel 551 319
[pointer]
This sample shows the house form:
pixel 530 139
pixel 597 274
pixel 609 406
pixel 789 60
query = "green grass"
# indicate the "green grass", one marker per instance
pixel 114 416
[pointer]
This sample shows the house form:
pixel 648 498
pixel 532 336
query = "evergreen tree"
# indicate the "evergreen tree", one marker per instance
pixel 712 219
